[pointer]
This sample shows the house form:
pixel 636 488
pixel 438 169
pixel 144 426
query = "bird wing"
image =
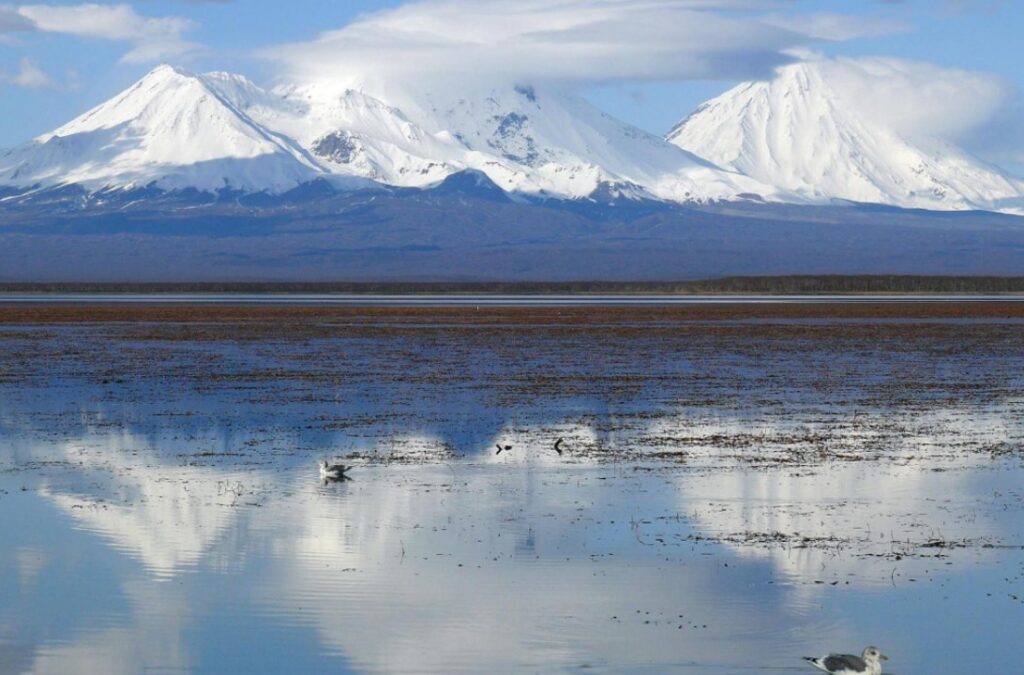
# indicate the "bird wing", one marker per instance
pixel 816 662
pixel 845 663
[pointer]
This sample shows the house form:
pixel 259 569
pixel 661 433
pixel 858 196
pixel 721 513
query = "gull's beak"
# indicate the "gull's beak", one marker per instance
pixel 883 657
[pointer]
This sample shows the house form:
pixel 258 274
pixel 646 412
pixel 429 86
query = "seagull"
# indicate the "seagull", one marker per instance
pixel 502 449
pixel 868 663
pixel 333 471
pixel 558 446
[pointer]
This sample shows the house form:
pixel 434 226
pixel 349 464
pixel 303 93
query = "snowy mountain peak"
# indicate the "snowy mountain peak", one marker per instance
pixel 802 134
pixel 174 129
pixel 794 139
pixel 171 129
pixel 143 97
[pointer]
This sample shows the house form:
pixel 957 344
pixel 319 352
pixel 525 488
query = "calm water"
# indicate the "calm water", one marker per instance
pixel 732 498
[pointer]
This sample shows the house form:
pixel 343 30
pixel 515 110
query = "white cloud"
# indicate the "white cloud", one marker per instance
pixel 595 42
pixel 837 27
pixel 917 98
pixel 29 76
pixel 1001 139
pixel 570 41
pixel 152 38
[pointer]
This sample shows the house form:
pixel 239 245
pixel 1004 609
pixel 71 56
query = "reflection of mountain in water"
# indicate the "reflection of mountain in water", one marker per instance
pixel 495 568
pixel 167 516
pixel 833 522
pixel 191 478
pixel 819 508
pixel 493 565
pixel 374 565
pixel 162 500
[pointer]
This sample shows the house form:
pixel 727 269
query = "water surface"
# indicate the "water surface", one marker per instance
pixel 733 495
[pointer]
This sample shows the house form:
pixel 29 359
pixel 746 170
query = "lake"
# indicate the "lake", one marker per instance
pixel 739 485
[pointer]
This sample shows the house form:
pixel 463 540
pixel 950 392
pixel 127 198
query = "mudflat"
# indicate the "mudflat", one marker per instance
pixel 99 313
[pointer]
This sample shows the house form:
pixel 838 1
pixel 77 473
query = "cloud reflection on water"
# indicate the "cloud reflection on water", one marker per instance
pixel 509 562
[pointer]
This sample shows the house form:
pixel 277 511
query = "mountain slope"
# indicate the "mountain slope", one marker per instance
pixel 550 142
pixel 464 231
pixel 174 130
pixel 798 133
pixel 793 140
pixel 171 129
pixel 527 141
pixel 351 133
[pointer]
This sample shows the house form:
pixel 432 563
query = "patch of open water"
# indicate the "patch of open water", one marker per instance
pixel 726 503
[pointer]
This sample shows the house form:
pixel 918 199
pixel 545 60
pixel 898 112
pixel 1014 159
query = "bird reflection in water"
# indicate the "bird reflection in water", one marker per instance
pixel 334 473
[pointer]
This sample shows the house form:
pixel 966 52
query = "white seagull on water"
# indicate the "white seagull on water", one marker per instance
pixel 868 663
pixel 333 471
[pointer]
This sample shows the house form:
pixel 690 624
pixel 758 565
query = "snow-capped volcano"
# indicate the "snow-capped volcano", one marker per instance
pixel 171 129
pixel 794 139
pixel 177 130
pixel 800 133
pixel 525 140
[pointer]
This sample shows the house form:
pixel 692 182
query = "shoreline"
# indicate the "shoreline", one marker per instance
pixel 782 285
pixel 98 313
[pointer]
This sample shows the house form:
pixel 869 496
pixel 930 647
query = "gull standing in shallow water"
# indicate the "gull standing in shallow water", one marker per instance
pixel 869 663
pixel 333 471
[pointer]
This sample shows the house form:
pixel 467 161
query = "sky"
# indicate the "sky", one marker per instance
pixel 649 62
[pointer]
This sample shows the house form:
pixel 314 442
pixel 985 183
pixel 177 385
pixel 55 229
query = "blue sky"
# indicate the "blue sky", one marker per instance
pixel 59 59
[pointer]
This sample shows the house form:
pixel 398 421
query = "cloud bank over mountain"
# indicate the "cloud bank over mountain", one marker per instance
pixel 571 42
pixel 437 44
pixel 916 98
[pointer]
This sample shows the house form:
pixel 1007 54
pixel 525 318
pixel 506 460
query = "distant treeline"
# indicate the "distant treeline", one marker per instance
pixel 857 284
pixel 767 285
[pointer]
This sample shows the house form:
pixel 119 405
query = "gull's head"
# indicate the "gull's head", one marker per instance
pixel 323 465
pixel 874 655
